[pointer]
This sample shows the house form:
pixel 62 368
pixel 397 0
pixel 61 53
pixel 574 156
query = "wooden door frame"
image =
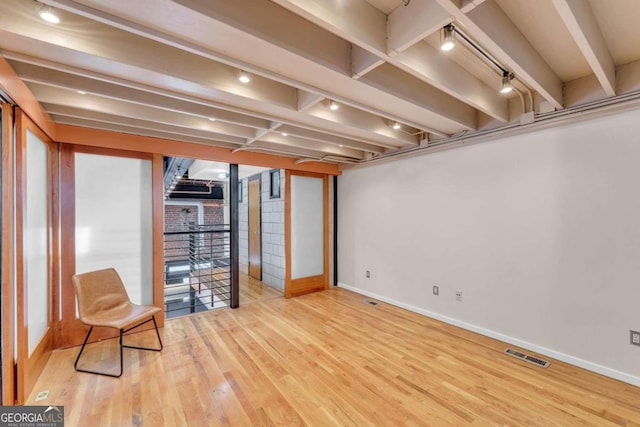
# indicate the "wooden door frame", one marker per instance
pixel 249 180
pixel 29 367
pixel 70 327
pixel 8 253
pixel 314 283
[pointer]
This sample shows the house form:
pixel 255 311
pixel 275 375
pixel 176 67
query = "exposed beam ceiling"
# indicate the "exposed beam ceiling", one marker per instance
pixel 582 24
pixel 170 68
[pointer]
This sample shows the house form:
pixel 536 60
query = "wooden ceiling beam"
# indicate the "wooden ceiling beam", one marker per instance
pixel 579 19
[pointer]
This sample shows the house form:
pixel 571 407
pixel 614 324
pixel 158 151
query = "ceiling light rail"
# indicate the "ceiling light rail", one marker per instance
pixel 448 41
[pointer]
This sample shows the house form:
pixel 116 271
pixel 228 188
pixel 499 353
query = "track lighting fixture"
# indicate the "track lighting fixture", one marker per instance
pixel 333 106
pixel 447 37
pixel 506 82
pixel 47 13
pixel 448 41
pixel 244 77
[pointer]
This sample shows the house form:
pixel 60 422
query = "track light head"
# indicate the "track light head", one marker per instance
pixel 447 37
pixel 506 82
pixel 244 77
pixel 333 106
pixel 47 13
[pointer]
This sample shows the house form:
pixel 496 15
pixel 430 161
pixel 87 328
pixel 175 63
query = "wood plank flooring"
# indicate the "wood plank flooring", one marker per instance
pixel 252 290
pixel 328 359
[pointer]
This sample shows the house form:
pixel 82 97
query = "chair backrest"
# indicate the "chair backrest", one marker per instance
pixel 99 291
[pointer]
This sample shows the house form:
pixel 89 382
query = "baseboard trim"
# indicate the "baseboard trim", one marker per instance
pixel 581 363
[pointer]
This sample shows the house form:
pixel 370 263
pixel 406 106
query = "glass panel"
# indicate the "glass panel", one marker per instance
pixel 36 240
pixel 307 222
pixel 114 220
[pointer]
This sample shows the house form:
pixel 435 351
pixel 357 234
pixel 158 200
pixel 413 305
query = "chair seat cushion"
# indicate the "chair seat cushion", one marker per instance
pixel 120 316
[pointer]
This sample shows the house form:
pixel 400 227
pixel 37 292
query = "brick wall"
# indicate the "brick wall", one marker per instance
pixel 214 213
pixel 177 217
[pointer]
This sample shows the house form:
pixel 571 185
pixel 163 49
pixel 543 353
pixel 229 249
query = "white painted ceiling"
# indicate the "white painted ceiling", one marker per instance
pixel 386 6
pixel 164 68
pixel 212 171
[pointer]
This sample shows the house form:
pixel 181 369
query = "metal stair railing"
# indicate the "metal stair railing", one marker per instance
pixel 197 269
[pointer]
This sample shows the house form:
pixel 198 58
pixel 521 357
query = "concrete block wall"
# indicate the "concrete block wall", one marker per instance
pixel 272 222
pixel 273 260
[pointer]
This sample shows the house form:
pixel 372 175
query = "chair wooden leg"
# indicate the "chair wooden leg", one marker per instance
pixel 75 365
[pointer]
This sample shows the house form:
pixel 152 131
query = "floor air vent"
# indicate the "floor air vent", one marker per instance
pixel 368 301
pixel 527 358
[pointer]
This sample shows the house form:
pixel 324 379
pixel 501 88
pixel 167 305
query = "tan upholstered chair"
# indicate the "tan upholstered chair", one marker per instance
pixel 103 301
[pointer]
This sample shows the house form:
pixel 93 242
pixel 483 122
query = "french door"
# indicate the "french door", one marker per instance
pixel 37 250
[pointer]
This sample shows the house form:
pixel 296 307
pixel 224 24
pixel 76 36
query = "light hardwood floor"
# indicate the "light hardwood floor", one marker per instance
pixel 252 290
pixel 329 359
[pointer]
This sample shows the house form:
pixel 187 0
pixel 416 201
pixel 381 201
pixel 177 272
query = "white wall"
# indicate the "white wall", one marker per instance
pixel 541 233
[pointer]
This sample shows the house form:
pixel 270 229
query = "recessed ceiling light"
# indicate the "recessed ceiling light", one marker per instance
pixel 244 77
pixel 211 119
pixel 285 134
pixel 333 106
pixel 395 125
pixel 47 14
pixel 81 92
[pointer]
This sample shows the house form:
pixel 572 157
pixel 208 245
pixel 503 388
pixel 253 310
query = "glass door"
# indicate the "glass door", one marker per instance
pixel 306 233
pixel 108 221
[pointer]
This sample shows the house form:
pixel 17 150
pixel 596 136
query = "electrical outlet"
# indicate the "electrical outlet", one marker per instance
pixel 458 295
pixel 368 274
pixel 436 290
pixel 635 337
